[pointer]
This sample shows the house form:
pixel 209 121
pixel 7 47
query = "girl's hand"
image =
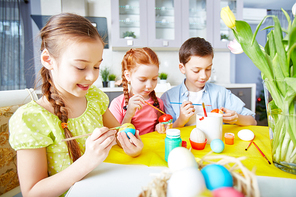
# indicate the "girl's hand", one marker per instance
pixel 135 103
pixel 160 128
pixel 133 146
pixel 229 116
pixel 99 144
pixel 186 111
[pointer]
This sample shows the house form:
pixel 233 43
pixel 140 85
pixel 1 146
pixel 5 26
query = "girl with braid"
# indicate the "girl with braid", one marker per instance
pixel 71 54
pixel 139 72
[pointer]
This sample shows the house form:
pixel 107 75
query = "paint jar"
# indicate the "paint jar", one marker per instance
pixel 229 138
pixel 172 141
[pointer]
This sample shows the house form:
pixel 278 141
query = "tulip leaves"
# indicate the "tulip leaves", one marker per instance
pixel 277 62
pixel 244 35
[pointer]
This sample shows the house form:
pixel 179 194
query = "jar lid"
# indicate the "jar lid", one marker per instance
pixel 173 133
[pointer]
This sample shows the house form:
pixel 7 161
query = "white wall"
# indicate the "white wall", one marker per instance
pixel 169 59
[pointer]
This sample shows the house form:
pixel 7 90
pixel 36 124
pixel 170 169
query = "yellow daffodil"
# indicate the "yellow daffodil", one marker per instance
pixel 228 17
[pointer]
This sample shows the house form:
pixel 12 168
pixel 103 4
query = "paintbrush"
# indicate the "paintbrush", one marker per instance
pixel 88 134
pixel 261 153
pixel 154 107
pixel 250 143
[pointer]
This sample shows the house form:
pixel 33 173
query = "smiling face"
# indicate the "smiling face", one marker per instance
pixel 198 71
pixel 77 68
pixel 143 79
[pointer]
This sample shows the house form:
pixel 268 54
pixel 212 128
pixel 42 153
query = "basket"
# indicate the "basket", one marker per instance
pixel 244 180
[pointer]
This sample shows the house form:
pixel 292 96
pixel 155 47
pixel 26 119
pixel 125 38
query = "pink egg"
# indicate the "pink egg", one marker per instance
pixel 226 191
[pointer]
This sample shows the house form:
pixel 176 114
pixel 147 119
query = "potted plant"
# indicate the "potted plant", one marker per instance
pixel 129 35
pixel 224 37
pixel 104 74
pixel 112 78
pixel 163 77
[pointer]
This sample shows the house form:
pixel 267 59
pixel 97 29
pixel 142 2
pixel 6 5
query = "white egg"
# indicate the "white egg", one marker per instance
pixel 180 158
pixel 188 182
pixel 197 136
pixel 245 134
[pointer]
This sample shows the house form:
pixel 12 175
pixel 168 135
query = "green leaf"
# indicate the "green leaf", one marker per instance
pixel 284 30
pixel 291 54
pixel 244 35
pixel 258 27
pixel 292 49
pixel 288 18
pixel 268 27
pixel 278 37
pixel 270 38
pixel 291 82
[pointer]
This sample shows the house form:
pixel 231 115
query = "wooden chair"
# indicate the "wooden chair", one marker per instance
pixel 10 101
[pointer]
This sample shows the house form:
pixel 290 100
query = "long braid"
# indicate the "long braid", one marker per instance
pixel 49 91
pixel 124 64
pixel 154 98
pixel 55 35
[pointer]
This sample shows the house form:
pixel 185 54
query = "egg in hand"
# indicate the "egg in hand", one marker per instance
pixel 127 127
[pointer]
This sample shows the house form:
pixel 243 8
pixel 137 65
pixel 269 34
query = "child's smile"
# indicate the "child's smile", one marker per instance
pixel 198 71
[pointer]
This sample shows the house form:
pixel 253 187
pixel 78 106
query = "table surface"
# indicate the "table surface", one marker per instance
pixel 115 176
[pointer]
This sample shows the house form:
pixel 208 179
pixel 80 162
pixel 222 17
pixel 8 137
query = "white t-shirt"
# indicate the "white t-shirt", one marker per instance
pixel 195 97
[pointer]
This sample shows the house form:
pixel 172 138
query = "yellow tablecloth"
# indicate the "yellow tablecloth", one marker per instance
pixel 153 151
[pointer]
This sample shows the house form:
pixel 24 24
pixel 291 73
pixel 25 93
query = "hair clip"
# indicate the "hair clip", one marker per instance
pixel 125 107
pixel 64 125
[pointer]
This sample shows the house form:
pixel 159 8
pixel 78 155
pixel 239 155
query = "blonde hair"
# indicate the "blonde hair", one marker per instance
pixel 59 30
pixel 131 60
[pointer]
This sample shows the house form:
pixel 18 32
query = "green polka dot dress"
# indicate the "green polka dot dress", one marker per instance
pixel 32 126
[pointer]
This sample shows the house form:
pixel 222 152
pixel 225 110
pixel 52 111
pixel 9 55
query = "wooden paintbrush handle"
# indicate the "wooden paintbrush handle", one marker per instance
pixel 88 134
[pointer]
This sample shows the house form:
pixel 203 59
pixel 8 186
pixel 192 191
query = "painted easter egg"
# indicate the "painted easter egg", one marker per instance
pixel 227 191
pixel 216 176
pixel 219 111
pixel 217 145
pixel 127 127
pixel 165 118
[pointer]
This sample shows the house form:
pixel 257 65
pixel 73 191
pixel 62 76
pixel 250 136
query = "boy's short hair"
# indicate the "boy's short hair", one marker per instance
pixel 194 47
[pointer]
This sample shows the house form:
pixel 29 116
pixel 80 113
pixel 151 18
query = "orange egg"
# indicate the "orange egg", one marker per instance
pixel 219 111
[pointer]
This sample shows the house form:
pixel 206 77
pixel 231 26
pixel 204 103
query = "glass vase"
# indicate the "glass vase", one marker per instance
pixel 281 114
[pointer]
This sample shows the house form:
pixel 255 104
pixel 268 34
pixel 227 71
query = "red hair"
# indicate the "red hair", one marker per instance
pixel 131 60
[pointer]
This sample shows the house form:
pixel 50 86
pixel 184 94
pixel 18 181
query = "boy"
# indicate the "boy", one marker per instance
pixel 196 55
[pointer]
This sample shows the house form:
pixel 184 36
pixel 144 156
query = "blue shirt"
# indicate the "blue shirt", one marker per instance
pixel 214 95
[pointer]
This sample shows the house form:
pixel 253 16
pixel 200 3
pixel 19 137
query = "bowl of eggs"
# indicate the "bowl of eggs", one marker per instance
pixel 208 177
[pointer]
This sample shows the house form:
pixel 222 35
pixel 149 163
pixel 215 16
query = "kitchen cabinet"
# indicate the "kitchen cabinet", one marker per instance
pixel 202 18
pixel 223 34
pixel 166 24
pixel 155 23
pixel 129 16
pixel 197 20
